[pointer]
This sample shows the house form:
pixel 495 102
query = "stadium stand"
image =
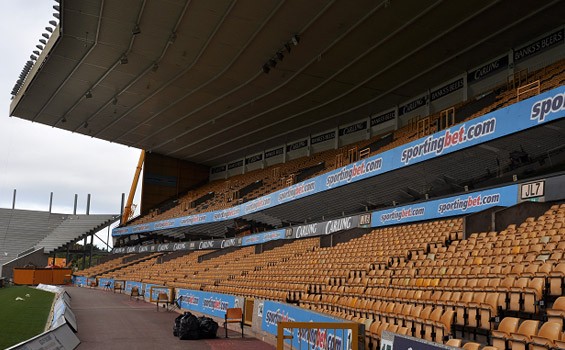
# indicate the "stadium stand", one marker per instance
pixel 424 279
pixel 497 289
pixel 24 229
pixel 67 230
pixel 492 277
pixel 221 194
pixel 42 233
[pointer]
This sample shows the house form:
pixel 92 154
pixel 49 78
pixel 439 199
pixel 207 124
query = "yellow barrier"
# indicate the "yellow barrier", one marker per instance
pixel 282 326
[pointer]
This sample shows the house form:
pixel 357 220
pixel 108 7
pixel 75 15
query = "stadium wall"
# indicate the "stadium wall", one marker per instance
pixel 518 214
pixel 36 258
pixel 166 177
pixel 482 221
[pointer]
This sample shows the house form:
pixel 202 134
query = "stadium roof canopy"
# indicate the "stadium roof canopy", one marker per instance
pixel 187 79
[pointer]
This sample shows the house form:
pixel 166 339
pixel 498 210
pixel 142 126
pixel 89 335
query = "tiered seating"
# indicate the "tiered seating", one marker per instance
pixel 168 272
pixel 421 279
pixel 226 273
pixel 517 334
pixel 550 77
pixel 133 270
pixel 104 267
pixel 469 277
pixel 262 281
pixel 211 271
pixel 22 229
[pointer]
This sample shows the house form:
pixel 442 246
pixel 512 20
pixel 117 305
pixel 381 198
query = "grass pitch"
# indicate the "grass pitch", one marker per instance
pixel 21 320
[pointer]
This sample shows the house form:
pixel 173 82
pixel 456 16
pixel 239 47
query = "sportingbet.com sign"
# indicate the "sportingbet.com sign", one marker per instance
pixel 209 303
pixel 457 205
pixel 312 339
pixel 523 115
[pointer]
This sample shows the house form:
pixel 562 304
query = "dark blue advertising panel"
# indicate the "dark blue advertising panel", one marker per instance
pixel 413 105
pixel 218 169
pixel 383 118
pixel 254 159
pixel 447 89
pixel 352 128
pixel 274 153
pixel 296 145
pixel 520 116
pixel 234 165
pixel 540 45
pixel 488 69
pixel 322 138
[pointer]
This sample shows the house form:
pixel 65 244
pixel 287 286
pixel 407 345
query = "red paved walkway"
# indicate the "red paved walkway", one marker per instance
pixel 113 321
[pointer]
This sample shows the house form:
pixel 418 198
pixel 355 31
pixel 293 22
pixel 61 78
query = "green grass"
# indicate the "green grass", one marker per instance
pixel 21 320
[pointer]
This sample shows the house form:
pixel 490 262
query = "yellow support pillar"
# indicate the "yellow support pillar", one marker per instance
pixel 127 209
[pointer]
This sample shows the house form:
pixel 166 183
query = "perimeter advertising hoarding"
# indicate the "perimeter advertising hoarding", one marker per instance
pixel 262 237
pixel 209 303
pixel 103 281
pixel 315 339
pixel 520 116
pixel 457 205
pixel 326 227
pixel 173 247
pixel 462 204
pixel 80 281
pixel 130 284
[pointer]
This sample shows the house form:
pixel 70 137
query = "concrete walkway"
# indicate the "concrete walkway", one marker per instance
pixel 112 321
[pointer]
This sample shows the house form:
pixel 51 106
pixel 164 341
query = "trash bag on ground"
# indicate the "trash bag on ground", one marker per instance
pixel 189 327
pixel 176 326
pixel 208 327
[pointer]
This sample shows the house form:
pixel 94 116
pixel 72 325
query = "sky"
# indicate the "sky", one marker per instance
pixel 36 159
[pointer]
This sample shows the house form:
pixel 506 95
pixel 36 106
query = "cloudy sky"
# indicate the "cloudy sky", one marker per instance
pixel 36 159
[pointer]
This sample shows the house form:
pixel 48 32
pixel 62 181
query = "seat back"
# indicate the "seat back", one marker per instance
pixel 528 328
pixel 472 346
pixel 454 342
pixel 550 330
pixel 234 314
pixel 509 325
pixel 559 304
pixel 436 315
pixel 163 297
pixel 447 318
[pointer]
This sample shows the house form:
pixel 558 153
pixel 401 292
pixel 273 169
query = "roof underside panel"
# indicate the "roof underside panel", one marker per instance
pixel 193 86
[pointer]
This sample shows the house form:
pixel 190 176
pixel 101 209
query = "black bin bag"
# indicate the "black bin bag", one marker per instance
pixel 208 327
pixel 189 327
pixel 176 326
